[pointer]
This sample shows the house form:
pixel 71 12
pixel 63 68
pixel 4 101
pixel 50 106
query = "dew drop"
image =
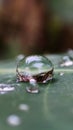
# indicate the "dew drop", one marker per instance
pixel 13 120
pixel 19 57
pixel 24 107
pixel 4 88
pixel 66 61
pixel 66 58
pixel 61 74
pixel 36 67
pixel 33 88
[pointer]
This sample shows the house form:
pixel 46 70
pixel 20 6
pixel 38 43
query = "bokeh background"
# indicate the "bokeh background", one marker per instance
pixel 35 27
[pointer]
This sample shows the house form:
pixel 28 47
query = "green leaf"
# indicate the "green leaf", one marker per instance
pixel 51 109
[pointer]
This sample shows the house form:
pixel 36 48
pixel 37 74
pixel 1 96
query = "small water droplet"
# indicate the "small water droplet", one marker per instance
pixel 19 57
pixel 4 88
pixel 33 88
pixel 70 53
pixel 66 58
pixel 61 74
pixel 24 107
pixel 66 61
pixel 13 120
pixel 36 67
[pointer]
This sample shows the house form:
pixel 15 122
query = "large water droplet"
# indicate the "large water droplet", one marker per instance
pixel 35 67
pixel 4 88
pixel 13 120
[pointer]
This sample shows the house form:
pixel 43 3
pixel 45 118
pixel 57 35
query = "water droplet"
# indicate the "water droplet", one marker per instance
pixel 35 67
pixel 70 53
pixel 13 120
pixel 24 107
pixel 66 58
pixel 4 88
pixel 19 57
pixel 61 74
pixel 33 88
pixel 66 61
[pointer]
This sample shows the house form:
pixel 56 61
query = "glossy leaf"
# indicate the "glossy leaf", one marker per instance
pixel 51 109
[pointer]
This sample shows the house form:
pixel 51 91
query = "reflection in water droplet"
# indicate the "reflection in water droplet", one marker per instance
pixel 4 88
pixel 35 67
pixel 24 107
pixel 66 61
pixel 13 120
pixel 61 74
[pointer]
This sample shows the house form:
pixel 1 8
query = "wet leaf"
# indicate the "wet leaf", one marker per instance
pixel 51 109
